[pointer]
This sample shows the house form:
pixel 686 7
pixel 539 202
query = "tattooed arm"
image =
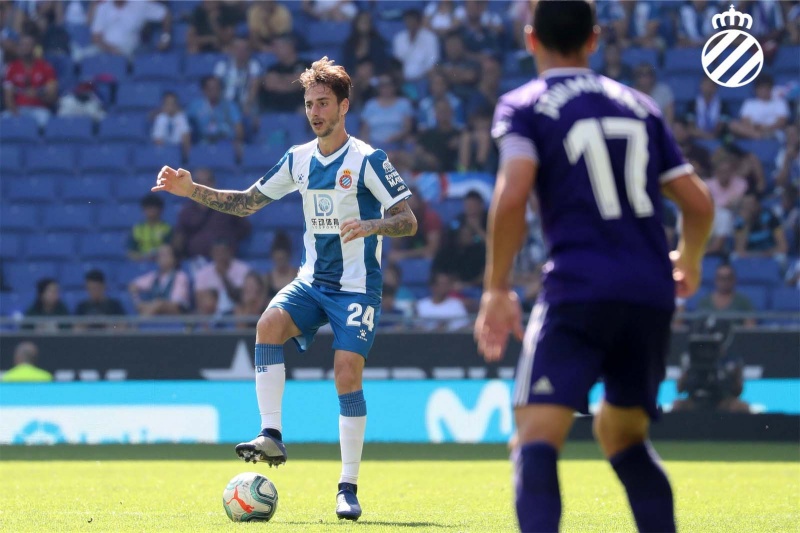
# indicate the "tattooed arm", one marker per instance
pixel 240 203
pixel 399 222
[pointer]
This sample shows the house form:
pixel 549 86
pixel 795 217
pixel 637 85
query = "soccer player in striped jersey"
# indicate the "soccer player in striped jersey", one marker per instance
pixel 599 157
pixel 352 198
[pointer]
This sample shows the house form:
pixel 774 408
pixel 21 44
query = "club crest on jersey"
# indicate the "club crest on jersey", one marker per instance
pixel 346 179
pixel 732 57
pixel 323 205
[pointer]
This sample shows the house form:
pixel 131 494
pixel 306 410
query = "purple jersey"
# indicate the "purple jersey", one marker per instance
pixel 603 152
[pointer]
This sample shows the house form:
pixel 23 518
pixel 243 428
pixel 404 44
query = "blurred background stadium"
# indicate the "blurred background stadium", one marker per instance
pixel 97 96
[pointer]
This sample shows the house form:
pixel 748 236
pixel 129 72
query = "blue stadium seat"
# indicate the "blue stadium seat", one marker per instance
pixel 9 246
pixel 91 189
pixel 686 60
pixel 258 159
pixel 133 188
pixel 105 157
pixel 419 290
pixel 10 159
pixel 143 96
pixel 20 218
pixel 16 302
pixel 118 217
pixel 50 159
pixel 103 64
pixel 55 246
pixel 691 303
pixel 684 87
pixel 69 130
pixel 634 56
pixel 757 270
pixel 128 271
pixel 735 95
pixel 126 127
pixel 22 276
pixel 218 157
pixel 786 299
pixel 285 214
pixel 294 125
pixel 710 265
pixel 258 244
pixel 266 59
pixel 37 189
pixel 151 158
pixel 157 67
pixel 106 245
pixel 179 32
pixel 72 275
pixel 69 217
pixel 766 150
pixel 756 294
pixel 79 34
pixel 415 271
pixel 187 93
pixel 197 66
pixel 449 209
pixel 19 129
pixel 321 33
pixel 786 60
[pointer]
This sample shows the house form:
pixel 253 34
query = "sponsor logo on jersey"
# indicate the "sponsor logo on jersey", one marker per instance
pixel 323 205
pixel 392 177
pixel 346 179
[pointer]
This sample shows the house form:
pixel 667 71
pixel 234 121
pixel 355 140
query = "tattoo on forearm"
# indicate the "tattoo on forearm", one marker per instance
pixel 239 203
pixel 400 222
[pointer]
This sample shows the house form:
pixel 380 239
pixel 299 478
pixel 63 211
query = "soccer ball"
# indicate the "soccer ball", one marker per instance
pixel 250 497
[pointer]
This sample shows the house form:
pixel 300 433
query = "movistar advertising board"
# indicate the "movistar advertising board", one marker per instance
pixel 196 411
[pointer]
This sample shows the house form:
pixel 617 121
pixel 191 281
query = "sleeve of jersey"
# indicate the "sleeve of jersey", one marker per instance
pixel 383 181
pixel 278 182
pixel 673 164
pixel 512 134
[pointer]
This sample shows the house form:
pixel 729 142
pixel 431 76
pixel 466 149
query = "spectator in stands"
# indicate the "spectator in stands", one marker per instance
pixel 212 27
pixel 768 25
pixel 758 231
pixel 164 291
pixel 727 189
pixel 438 88
pixel 725 298
pixel 225 274
pixel 117 25
pixel 253 301
pixel 215 119
pixel 460 70
pixel 48 304
pixel 82 102
pixel 477 150
pixel 482 29
pixel 207 301
pixel 199 226
pixel 646 81
pixel 171 125
pixel 613 67
pixel 283 271
pixel 392 317
pixel 793 275
pixel 26 355
pixel 98 302
pixel 707 113
pixel 147 236
pixel 8 35
pixel 788 212
pixel 404 298
pixel 694 23
pixel 488 89
pixel 425 243
pixel 278 92
pixel 694 153
pixel 30 86
pixel 437 148
pixel 765 115
pixel 387 119
pixel 364 43
pixel 267 20
pixel 787 162
pixel 333 10
pixel 440 17
pixel 416 47
pixel 637 24
pixel 529 286
pixel 792 21
pixel 44 19
pixel 441 311
pixel 364 85
pixel 463 254
pixel 240 74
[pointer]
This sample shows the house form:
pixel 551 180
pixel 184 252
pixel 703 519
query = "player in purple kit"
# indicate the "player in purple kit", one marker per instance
pixel 599 157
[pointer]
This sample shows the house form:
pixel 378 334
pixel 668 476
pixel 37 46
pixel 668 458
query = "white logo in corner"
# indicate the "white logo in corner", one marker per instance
pixel 464 424
pixel 542 386
pixel 724 50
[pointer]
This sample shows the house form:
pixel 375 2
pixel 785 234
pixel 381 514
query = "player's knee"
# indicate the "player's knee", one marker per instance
pixel 347 375
pixel 616 434
pixel 271 328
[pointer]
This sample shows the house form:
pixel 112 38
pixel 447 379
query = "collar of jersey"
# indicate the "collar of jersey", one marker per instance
pixel 565 71
pixel 328 159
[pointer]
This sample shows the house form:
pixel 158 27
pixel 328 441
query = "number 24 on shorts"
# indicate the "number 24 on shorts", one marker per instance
pixel 368 318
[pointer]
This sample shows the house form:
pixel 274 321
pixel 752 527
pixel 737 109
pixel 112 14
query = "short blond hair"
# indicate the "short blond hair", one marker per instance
pixel 324 72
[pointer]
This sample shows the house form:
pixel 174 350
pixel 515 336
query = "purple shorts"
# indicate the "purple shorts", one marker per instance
pixel 568 347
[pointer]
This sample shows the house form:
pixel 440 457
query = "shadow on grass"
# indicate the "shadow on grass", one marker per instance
pixel 574 450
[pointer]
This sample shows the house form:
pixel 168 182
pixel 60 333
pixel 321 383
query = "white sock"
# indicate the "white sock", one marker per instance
pixel 351 440
pixel 270 382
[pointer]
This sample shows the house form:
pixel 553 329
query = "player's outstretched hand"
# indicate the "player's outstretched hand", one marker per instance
pixel 687 277
pixel 352 229
pixel 178 182
pixel 499 316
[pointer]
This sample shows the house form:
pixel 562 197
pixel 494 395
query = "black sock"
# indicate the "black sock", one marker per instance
pixel 273 433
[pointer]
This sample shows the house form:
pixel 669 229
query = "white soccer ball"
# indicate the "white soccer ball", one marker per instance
pixel 250 497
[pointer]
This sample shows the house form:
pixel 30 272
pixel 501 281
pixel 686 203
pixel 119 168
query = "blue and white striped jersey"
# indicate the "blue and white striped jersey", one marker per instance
pixel 356 181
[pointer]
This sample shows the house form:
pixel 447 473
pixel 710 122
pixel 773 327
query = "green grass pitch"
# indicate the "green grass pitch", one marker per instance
pixel 718 487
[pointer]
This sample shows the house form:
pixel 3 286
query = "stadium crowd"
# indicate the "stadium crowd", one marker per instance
pixel 97 95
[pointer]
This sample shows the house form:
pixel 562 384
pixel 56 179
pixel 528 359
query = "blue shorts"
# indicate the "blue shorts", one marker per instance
pixel 567 347
pixel 352 316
